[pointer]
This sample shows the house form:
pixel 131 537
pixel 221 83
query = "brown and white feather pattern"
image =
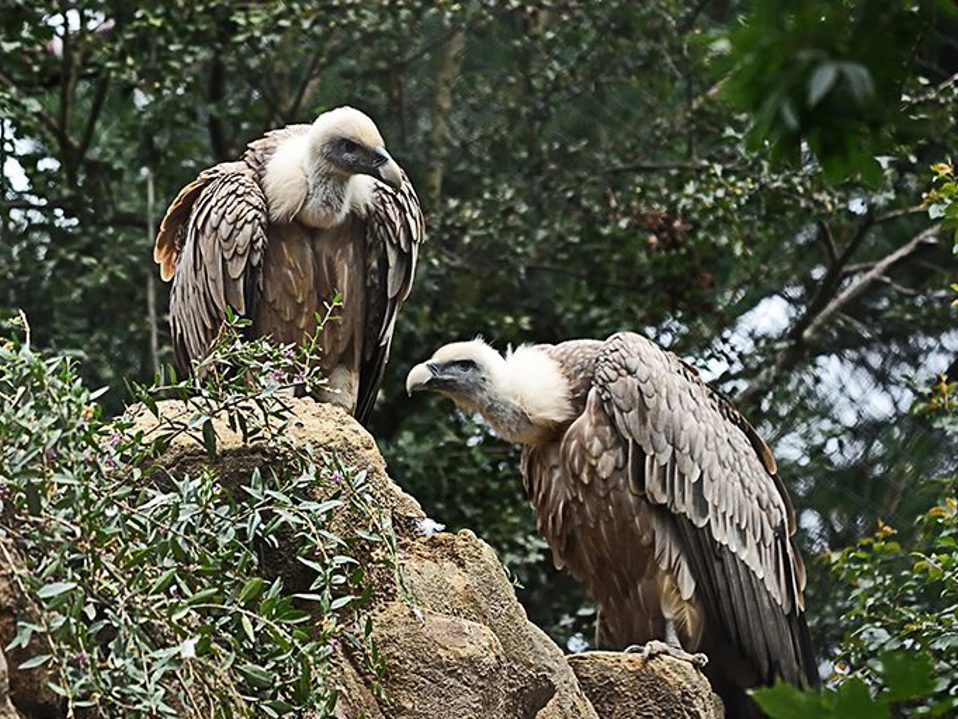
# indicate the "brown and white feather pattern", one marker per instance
pixel 698 458
pixel 664 501
pixel 211 242
pixel 220 247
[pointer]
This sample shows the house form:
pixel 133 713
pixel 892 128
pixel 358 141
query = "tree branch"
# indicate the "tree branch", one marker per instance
pixel 442 107
pixel 692 166
pixel 306 88
pixel 151 314
pixel 95 109
pixel 216 92
pixel 929 236
pixel 825 306
pixel 825 233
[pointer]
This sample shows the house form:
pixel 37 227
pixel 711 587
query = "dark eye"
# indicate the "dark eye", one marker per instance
pixel 463 364
pixel 350 146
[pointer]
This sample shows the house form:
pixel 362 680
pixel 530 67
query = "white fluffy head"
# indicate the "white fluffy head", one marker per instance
pixel 286 181
pixel 526 376
pixel 347 122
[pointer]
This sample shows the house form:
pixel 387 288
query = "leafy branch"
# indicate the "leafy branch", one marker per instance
pixel 155 589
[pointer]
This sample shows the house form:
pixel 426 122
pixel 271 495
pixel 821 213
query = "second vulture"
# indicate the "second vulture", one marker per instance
pixel 308 212
pixel 653 491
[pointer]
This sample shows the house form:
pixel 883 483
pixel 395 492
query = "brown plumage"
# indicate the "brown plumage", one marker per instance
pixel 308 212
pixel 653 491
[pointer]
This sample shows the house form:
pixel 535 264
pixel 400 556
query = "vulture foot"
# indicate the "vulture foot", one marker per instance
pixel 655 648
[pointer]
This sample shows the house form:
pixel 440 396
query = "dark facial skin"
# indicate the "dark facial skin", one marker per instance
pixel 468 385
pixel 354 158
pixel 461 377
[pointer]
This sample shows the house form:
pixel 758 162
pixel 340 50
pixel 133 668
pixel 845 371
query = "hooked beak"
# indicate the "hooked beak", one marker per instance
pixel 386 168
pixel 420 376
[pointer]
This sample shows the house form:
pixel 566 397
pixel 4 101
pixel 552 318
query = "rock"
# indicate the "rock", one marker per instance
pixel 455 640
pixel 24 694
pixel 474 633
pixel 626 686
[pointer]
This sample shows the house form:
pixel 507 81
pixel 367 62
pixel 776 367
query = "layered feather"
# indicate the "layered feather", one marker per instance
pixel 230 239
pixel 665 502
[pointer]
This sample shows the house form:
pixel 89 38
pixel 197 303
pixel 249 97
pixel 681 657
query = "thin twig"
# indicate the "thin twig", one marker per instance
pixel 95 109
pixel 825 233
pixel 929 236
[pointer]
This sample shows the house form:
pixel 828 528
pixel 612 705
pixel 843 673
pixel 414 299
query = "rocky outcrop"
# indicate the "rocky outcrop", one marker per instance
pixel 472 638
pixel 455 640
pixel 623 686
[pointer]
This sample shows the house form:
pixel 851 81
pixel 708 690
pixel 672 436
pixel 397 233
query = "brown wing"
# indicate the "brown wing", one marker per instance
pixel 692 453
pixel 394 229
pixel 211 242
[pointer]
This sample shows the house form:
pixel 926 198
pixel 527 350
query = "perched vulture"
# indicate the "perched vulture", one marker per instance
pixel 308 212
pixel 656 494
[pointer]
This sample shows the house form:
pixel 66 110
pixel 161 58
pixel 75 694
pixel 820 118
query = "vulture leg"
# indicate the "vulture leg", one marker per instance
pixel 670 647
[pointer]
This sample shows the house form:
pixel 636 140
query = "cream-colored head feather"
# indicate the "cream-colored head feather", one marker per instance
pixel 286 183
pixel 537 384
pixel 527 376
pixel 347 122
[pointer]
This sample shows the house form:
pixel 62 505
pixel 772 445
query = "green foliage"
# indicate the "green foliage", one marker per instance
pixel 586 176
pixel 904 675
pixel 156 589
pixel 942 199
pixel 900 611
pixel 830 74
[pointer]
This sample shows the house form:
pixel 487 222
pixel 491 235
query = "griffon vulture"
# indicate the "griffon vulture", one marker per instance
pixel 309 211
pixel 656 494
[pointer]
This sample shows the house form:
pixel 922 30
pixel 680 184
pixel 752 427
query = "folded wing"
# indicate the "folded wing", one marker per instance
pixel 211 243
pixel 692 453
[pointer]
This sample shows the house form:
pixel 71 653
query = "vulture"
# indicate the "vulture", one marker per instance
pixel 656 494
pixel 309 212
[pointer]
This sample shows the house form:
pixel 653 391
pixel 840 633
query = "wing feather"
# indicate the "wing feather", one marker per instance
pixel 395 227
pixel 211 244
pixel 707 466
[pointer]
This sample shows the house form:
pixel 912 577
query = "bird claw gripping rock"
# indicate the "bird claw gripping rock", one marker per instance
pixel 656 648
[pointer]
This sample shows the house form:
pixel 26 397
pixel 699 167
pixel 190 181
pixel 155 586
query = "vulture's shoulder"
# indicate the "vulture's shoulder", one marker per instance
pixel 259 151
pixel 576 359
pixel 175 225
pixel 706 462
pixel 211 244
pixel 627 353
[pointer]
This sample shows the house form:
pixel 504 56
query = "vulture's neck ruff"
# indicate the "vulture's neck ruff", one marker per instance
pixel 320 177
pixel 524 396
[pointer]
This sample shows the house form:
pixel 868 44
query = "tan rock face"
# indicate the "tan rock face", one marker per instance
pixel 626 686
pixel 456 642
pixel 467 609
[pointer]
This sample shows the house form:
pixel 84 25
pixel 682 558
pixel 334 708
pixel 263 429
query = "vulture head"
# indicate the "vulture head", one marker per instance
pixel 318 177
pixel 524 395
pixel 346 142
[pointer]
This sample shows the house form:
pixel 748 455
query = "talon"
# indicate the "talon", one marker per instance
pixel 654 648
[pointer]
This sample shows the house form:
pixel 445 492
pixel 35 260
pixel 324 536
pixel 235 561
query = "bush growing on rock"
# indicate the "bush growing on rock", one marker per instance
pixel 157 591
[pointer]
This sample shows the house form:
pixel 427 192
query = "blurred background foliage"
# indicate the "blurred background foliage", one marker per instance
pixel 742 182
